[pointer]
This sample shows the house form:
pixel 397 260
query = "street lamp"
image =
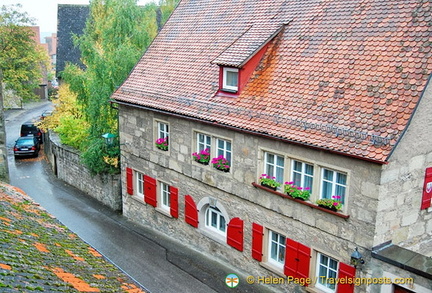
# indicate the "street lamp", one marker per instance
pixel 109 138
pixel 356 258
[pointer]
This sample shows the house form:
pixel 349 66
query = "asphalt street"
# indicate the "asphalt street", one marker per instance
pixel 158 263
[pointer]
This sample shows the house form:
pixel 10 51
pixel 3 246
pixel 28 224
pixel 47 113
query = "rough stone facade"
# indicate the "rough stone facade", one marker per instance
pixel 319 230
pixel 399 215
pixel 67 166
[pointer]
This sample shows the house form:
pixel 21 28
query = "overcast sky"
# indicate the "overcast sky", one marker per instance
pixel 45 11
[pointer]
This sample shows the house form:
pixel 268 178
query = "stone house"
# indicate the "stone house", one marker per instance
pixel 333 97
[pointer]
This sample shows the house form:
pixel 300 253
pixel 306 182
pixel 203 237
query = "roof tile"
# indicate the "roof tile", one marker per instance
pixel 358 68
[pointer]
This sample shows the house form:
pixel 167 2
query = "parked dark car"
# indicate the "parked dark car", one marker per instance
pixel 30 129
pixel 26 146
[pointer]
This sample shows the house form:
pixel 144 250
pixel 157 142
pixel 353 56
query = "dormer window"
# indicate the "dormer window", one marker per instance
pixel 230 79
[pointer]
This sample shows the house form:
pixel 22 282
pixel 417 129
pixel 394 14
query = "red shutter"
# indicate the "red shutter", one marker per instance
pixel 427 189
pixel 174 202
pixel 129 180
pixel 150 190
pixel 257 241
pixel 347 274
pixel 235 233
pixel 191 212
pixel 297 259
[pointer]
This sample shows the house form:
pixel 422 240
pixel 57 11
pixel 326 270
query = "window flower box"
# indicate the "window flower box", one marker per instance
pixel 162 143
pixel 336 213
pixel 221 163
pixel 296 191
pixel 269 182
pixel 333 204
pixel 202 157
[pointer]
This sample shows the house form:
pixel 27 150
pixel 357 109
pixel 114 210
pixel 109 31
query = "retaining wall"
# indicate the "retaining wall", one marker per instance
pixel 66 164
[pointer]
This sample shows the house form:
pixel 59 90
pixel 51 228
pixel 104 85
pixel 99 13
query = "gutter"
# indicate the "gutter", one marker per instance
pixel 238 129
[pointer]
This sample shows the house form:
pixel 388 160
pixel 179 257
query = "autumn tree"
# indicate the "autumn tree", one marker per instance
pixel 21 59
pixel 20 65
pixel 116 35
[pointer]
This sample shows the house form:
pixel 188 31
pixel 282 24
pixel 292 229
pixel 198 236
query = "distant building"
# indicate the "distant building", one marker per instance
pixel 71 20
pixel 52 48
pixel 334 96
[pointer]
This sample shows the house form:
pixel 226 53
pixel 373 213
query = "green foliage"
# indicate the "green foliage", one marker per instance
pixel 67 118
pixel 21 59
pixel 72 130
pixel 116 35
pixel 97 154
pixel 166 8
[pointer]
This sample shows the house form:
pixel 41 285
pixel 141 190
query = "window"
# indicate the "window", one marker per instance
pixel 327 268
pixel 165 196
pixel 302 174
pixel 162 140
pixel 230 79
pixel 274 166
pixel 163 131
pixel 214 220
pixel 276 251
pixel 333 184
pixel 224 149
pixel 203 142
pixel 215 145
pixel 139 183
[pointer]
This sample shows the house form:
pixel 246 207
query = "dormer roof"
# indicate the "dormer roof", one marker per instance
pixel 248 44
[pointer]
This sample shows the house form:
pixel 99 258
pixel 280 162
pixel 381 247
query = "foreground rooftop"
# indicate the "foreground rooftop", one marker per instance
pixel 39 254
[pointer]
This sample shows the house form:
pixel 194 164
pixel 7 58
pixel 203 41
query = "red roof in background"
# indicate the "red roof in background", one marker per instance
pixel 344 76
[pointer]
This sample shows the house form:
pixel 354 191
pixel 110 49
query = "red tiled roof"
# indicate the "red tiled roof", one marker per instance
pixel 344 76
pixel 247 45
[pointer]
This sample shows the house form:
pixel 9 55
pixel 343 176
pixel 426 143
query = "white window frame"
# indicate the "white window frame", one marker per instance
pixel 214 211
pixel 225 85
pixel 162 129
pixel 334 184
pixel 202 207
pixel 302 173
pixel 217 146
pixel 225 150
pixel 271 168
pixel 139 184
pixel 279 246
pixel 204 141
pixel 319 284
pixel 164 196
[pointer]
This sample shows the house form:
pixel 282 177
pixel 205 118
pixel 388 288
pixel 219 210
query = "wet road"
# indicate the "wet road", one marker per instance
pixel 137 251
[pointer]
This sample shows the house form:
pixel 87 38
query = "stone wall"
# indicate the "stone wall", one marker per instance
pixel 66 164
pixel 400 219
pixel 319 230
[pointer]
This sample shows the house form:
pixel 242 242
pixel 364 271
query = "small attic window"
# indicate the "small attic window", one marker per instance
pixel 230 79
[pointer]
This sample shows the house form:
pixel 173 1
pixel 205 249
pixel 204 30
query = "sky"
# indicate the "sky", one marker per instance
pixel 45 11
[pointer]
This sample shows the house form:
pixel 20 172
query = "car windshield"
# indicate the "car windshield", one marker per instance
pixel 29 128
pixel 26 141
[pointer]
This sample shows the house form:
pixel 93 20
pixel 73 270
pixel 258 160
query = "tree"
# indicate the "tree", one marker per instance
pixel 116 35
pixel 21 59
pixel 20 65
pixel 67 120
